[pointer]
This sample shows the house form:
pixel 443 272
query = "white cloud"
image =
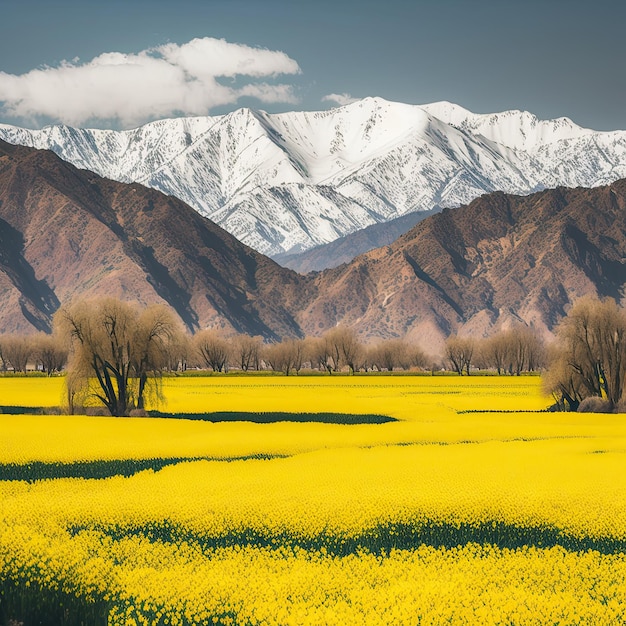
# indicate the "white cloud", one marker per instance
pixel 339 98
pixel 130 89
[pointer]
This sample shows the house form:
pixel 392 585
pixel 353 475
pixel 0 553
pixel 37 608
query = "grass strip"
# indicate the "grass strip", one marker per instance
pixel 277 416
pixel 41 470
pixel 380 539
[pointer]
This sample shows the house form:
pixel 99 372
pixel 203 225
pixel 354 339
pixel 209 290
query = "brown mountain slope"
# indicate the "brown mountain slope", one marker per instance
pixel 66 233
pixel 479 267
pixel 346 248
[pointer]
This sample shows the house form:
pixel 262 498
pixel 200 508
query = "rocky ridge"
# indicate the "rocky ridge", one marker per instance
pixel 284 183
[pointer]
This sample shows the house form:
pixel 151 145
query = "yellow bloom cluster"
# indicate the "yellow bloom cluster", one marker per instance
pixel 427 410
pixel 448 515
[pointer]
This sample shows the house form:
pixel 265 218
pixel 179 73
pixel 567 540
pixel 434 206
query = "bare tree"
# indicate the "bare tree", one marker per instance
pixel 298 350
pixel 344 347
pixel 333 343
pixel 321 353
pixel 415 357
pixel 513 351
pixel 494 352
pixel 179 352
pixel 590 358
pixel 389 354
pixel 518 351
pixel 4 361
pixel 51 352
pixel 117 351
pixel 246 352
pixel 16 351
pixel 526 349
pixel 563 382
pixel 373 358
pixel 213 349
pixel 76 392
pixel 285 356
pixel 155 333
pixel 459 352
pixel 536 353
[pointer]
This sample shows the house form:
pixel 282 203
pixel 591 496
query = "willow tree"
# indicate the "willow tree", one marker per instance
pixel 16 350
pixel 50 352
pixel 285 356
pixel 212 349
pixel 590 357
pixel 247 352
pixel 118 351
pixel 389 354
pixel 459 352
pixel 345 347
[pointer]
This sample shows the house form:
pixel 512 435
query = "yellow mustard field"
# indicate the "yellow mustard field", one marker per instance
pixel 475 506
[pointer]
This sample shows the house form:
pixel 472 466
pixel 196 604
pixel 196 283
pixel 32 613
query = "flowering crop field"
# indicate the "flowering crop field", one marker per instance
pixel 473 506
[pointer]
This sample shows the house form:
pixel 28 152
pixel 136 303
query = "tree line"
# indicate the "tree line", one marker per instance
pixel 584 367
pixel 116 352
pixel 89 327
pixel 43 352
pixel 337 350
pixel 512 351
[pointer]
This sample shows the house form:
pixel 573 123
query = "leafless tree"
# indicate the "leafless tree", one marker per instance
pixel 246 352
pixel 518 350
pixel 415 357
pixel 563 382
pixel 333 341
pixel 213 349
pixel 118 351
pixel 298 349
pixel 493 352
pixel 459 352
pixel 51 352
pixel 155 332
pixel 4 361
pixel 285 356
pixel 513 351
pixel 389 354
pixel 179 352
pixel 16 350
pixel 344 347
pixel 536 351
pixel 320 353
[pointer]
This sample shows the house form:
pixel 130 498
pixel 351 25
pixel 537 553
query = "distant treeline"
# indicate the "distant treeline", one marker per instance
pixel 507 352
pixel 116 352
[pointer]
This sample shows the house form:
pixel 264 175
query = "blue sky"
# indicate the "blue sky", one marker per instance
pixel 553 58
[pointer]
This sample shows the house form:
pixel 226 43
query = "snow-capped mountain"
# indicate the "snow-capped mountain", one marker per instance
pixel 290 181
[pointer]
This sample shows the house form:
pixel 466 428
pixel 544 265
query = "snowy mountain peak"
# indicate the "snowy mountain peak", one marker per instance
pixel 515 129
pixel 448 112
pixel 289 181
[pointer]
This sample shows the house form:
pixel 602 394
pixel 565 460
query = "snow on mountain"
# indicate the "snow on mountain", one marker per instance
pixel 287 182
pixel 518 130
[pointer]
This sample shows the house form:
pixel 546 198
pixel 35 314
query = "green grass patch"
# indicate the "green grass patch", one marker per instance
pixel 40 470
pixel 279 416
pixel 380 539
pixel 24 603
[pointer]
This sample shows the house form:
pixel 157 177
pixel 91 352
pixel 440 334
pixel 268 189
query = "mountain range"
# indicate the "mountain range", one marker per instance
pixel 67 233
pixel 346 248
pixel 502 259
pixel 499 261
pixel 285 183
